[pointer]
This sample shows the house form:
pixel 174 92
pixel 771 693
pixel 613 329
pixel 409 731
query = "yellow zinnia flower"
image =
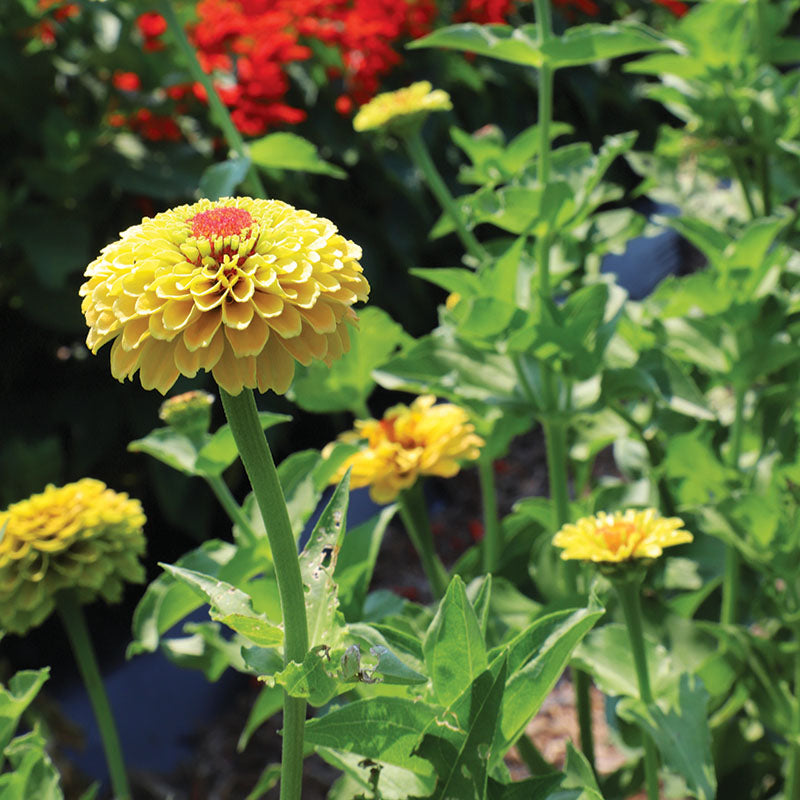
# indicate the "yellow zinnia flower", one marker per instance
pixel 621 536
pixel 425 439
pixel 80 536
pixel 238 287
pixel 402 106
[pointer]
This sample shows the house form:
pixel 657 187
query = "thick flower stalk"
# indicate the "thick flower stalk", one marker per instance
pixel 410 441
pixel 82 537
pixel 239 287
pixel 405 107
pixel 620 536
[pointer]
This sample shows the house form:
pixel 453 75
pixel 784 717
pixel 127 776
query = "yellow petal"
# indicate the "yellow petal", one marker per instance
pixel 236 315
pixel 201 332
pixel 248 341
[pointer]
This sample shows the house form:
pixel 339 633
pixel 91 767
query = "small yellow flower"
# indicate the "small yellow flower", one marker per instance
pixel 238 287
pixel 402 106
pixel 621 536
pixel 80 536
pixel 453 299
pixel 425 439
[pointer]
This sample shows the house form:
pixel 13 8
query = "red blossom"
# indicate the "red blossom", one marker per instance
pixel 126 81
pixel 675 6
pixel 151 24
pixel 476 530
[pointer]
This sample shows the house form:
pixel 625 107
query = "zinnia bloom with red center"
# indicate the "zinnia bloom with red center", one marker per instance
pixel 238 287
pixel 621 536
pixel 423 439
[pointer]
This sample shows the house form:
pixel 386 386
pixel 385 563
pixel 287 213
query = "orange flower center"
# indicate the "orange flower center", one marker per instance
pixel 616 535
pixel 220 222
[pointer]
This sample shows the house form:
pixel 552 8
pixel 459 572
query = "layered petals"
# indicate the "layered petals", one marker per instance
pixel 207 285
pixel 82 536
pixel 423 439
pixel 621 536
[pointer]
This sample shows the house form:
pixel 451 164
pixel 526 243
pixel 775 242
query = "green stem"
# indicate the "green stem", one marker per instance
pixel 628 593
pixel 731 576
pixel 555 432
pixel 792 788
pixel 582 684
pixel 254 451
pixel 219 111
pixel 414 514
pixel 423 161
pixel 232 508
pixel 492 530
pixel 741 175
pixel 72 616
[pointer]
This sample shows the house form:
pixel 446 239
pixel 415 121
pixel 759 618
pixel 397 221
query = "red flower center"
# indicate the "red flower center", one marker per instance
pixel 220 222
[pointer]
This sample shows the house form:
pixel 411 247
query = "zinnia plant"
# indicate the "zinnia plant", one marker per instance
pixel 395 451
pixel 240 288
pixel 60 549
pixel 620 544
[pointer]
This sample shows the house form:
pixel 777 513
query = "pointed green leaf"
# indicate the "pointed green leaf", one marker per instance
pixel 536 659
pixel 380 728
pixel 230 605
pixel 455 653
pixel 222 180
pixel 220 451
pixel 681 734
pixel 289 151
pixel 14 699
pixel 517 45
pixel 587 44
pixel 461 758
pixel 317 564
pixel 170 447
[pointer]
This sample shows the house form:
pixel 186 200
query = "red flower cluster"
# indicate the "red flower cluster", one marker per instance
pixel 246 45
pixel 250 42
pixel 58 11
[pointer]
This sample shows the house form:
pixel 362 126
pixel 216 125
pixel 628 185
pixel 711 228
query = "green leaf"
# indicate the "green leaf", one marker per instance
pixel 356 563
pixel 681 735
pixel 170 447
pixel 289 151
pixel 390 667
pixel 14 699
pixel 220 451
pixel 205 649
pixel 448 367
pixel 479 593
pixel 317 564
pixel 381 728
pixel 461 757
pixel 309 680
pixel 347 383
pixel 230 605
pixel 394 783
pixel 268 779
pixel 536 659
pixel 540 787
pixel 455 653
pixel 586 44
pixel 167 601
pixel 517 45
pixel 33 775
pixel 221 180
pixel 606 655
